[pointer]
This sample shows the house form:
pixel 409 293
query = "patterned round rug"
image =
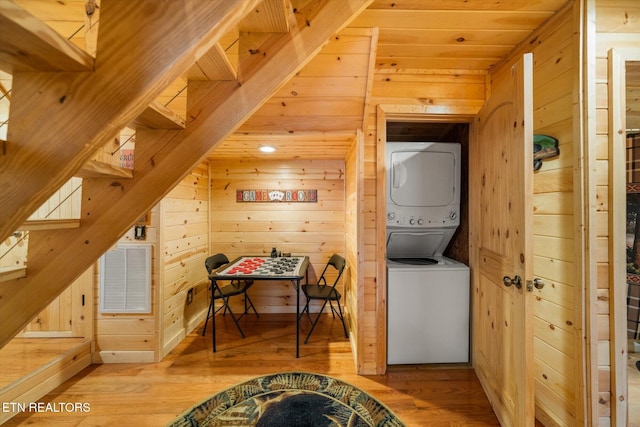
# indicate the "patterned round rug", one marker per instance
pixel 292 399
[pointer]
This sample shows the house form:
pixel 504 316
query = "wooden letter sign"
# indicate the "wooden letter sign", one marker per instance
pixel 290 196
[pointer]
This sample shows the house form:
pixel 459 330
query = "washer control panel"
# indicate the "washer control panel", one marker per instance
pixel 400 219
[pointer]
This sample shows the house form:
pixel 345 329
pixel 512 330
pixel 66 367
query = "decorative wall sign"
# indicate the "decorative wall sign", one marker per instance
pixel 290 196
pixel 544 146
pixel 126 158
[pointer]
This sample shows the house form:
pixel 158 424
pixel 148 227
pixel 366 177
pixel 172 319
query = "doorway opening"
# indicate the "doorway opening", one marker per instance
pixel 422 131
pixel 632 132
pixel 624 276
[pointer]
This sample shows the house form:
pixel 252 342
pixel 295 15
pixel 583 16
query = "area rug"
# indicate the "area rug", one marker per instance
pixel 290 399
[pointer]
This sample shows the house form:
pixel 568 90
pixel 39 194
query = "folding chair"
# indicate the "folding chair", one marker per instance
pixel 223 293
pixel 325 292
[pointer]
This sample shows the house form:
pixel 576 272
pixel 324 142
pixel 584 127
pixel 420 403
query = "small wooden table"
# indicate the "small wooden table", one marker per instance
pixel 264 268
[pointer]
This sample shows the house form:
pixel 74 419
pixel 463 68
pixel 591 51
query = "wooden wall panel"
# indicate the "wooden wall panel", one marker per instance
pixel 184 246
pixel 353 240
pixel 243 228
pixel 13 252
pixel 429 87
pixel 326 95
pixel 368 360
pixel 58 318
pixel 66 316
pixel 131 338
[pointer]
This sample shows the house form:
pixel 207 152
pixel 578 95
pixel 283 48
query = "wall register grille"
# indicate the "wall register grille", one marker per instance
pixel 125 279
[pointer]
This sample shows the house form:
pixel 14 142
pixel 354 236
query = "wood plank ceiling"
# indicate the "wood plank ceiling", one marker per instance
pixel 316 113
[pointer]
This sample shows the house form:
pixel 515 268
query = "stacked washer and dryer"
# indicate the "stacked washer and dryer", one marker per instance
pixel 427 293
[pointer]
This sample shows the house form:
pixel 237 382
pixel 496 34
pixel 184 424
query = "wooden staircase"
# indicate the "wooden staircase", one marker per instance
pixel 80 103
pixel 34 46
pixel 79 107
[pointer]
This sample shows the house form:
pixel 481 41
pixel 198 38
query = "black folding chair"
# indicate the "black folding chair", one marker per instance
pixel 223 293
pixel 327 293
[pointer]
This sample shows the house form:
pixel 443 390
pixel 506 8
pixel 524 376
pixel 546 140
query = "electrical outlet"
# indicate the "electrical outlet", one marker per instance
pixel 190 296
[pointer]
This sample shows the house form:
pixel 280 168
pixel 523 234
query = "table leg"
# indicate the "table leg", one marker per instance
pixel 213 315
pixel 298 318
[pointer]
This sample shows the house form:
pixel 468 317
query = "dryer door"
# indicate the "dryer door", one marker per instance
pixel 422 178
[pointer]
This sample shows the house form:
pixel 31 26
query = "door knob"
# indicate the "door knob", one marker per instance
pixel 537 283
pixel 508 281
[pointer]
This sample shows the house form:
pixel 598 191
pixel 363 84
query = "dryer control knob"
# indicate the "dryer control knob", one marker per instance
pixel 420 221
pixel 391 215
pixel 453 215
pixel 412 221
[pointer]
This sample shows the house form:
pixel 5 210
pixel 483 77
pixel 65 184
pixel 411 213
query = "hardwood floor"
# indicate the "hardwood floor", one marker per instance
pixel 153 394
pixel 24 355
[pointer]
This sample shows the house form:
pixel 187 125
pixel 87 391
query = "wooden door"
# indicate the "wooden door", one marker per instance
pixel 501 210
pixel 69 315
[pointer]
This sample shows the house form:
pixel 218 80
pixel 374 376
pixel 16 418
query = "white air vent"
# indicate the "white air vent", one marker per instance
pixel 125 279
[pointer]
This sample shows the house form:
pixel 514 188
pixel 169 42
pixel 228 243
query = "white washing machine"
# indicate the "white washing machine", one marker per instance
pixel 427 294
pixel 427 311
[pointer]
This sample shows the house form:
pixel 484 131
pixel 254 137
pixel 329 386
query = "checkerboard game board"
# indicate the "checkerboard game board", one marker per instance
pixel 263 267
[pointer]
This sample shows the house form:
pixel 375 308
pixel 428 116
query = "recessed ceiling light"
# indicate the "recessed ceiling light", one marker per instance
pixel 267 149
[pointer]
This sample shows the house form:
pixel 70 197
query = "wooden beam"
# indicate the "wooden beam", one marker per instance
pixel 58 121
pixel 370 77
pixel 157 116
pixel 7 274
pixel 30 45
pixel 49 224
pixel 96 169
pixel 213 65
pixel 163 158
pixel 270 16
